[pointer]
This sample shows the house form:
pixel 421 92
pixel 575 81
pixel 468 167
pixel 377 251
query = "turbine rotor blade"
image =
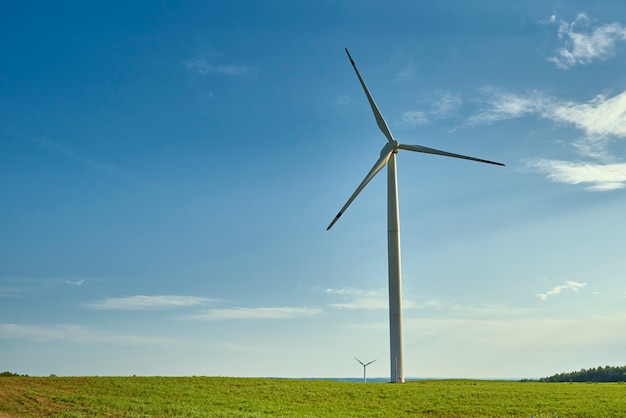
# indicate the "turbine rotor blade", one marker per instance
pixel 379 117
pixel 360 361
pixel 370 362
pixel 419 148
pixel 384 157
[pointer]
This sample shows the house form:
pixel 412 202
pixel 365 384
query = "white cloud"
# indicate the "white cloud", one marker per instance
pixel 446 103
pixel 202 67
pixel 430 304
pixel 254 313
pixel 502 105
pixel 414 118
pixel 75 282
pixel 600 118
pixel 77 334
pixel 443 105
pixel 575 286
pixel 600 177
pixel 343 291
pixel 582 47
pixel 359 299
pixel 363 299
pixel 602 121
pixel 141 302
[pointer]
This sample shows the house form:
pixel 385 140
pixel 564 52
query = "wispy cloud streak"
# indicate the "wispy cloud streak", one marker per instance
pixel 501 105
pixel 583 46
pixel 142 302
pixel 363 299
pixel 575 286
pixel 600 177
pixel 601 118
pixel 358 299
pixel 254 313
pixel 78 334
pixel 202 67
pixel 445 104
pixel 414 118
pixel 80 158
pixel 602 121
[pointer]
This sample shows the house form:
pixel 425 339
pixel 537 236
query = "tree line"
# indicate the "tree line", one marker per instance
pixel 11 374
pixel 596 374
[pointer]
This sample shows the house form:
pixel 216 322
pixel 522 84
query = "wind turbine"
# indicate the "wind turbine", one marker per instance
pixel 364 368
pixel 388 157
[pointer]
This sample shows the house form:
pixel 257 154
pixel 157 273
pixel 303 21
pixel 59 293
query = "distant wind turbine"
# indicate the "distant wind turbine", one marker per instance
pixel 364 368
pixel 388 157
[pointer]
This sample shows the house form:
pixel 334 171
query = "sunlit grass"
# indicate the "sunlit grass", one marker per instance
pixel 235 397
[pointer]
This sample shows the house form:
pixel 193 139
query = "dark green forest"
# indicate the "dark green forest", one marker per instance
pixel 596 374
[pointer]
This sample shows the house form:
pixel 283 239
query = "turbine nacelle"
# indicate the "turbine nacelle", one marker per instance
pixel 389 148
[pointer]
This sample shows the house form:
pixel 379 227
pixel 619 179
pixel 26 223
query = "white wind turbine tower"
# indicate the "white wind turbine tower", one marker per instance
pixel 364 368
pixel 388 157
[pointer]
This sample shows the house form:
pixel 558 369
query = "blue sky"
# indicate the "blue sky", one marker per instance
pixel 168 170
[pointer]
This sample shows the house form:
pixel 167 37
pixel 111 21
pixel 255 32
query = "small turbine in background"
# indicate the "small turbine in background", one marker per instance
pixel 364 368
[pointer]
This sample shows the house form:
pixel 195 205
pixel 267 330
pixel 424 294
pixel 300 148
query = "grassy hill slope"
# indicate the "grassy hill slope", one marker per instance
pixel 239 397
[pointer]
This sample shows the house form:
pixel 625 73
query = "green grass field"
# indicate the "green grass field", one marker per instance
pixel 238 397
